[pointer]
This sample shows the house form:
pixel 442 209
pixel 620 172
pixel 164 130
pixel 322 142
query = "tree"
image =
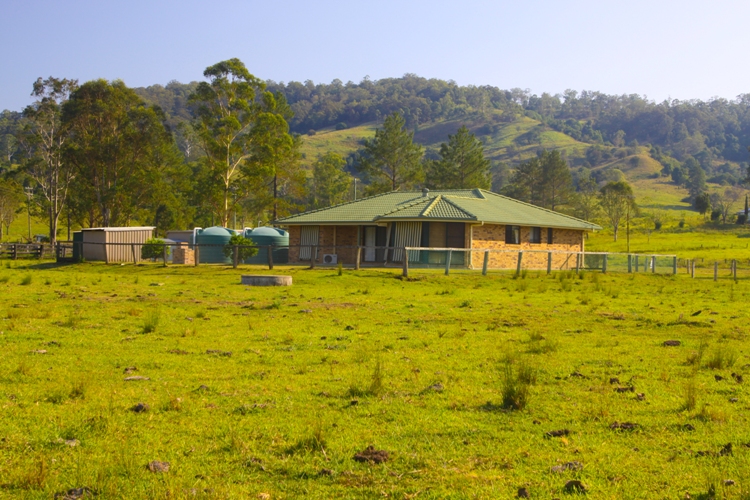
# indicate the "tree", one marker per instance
pixel 11 200
pixel 330 182
pixel 586 200
pixel 725 202
pixel 43 137
pixel 617 201
pixel 544 181
pixel 391 160
pixel 237 118
pixel 462 164
pixel 703 203
pixel 119 148
pixel 696 182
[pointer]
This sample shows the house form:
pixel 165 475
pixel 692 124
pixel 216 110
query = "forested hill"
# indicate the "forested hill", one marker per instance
pixel 716 130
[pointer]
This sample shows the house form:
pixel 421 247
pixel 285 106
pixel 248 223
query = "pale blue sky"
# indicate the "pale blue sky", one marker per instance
pixel 661 48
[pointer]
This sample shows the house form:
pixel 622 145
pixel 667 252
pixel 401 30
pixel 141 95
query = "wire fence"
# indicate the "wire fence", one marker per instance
pixel 448 260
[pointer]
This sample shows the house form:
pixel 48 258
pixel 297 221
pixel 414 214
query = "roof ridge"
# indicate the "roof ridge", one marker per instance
pixel 429 207
pixel 404 207
pixel 540 208
pixel 461 208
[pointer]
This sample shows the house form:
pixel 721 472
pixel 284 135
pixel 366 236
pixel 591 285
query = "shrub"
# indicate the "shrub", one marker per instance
pixel 151 321
pixel 245 247
pixel 311 132
pixel 681 224
pixel 153 249
pixel 26 280
pixel 721 358
pixel 516 383
pixel 341 126
pixel 742 219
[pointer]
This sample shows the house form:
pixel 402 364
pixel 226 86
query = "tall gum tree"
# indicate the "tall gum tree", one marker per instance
pixel 43 137
pixel 236 120
pixel 119 146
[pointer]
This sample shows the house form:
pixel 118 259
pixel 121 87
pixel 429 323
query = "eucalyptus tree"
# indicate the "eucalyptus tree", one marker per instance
pixel 241 129
pixel 617 201
pixel 43 137
pixel 120 149
pixel 330 182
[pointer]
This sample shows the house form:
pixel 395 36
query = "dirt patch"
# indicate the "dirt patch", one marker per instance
pixel 371 455
pixel 75 493
pixel 624 426
pixel 558 433
pixel 157 466
pixel 572 466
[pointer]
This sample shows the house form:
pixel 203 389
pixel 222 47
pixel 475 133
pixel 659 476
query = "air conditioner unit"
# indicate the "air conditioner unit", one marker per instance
pixel 330 258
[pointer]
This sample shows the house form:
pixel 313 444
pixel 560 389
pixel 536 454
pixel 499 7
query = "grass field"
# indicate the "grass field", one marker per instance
pixel 270 392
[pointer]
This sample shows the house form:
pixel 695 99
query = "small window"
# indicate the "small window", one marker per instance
pixel 549 236
pixel 535 236
pixel 513 235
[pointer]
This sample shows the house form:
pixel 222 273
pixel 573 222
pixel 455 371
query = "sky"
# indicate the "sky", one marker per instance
pixel 662 49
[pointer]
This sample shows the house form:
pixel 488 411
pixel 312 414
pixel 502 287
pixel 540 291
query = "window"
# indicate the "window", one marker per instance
pixel 535 236
pixel 513 235
pixel 549 236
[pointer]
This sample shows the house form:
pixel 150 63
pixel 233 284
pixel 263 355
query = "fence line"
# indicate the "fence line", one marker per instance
pixel 449 259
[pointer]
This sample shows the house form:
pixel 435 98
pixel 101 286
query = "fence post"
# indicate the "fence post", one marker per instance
pixel 448 262
pixel 406 263
pixel 519 263
pixel 357 258
pixel 734 269
pixel 579 257
pixel 106 253
pixel 692 269
pixel 270 257
pixel 630 263
pixel 604 264
pixel 313 255
pixel 653 263
pixel 674 265
pixel 196 254
pixel 235 254
pixel 132 251
pixel 549 262
pixel 716 270
pixel 164 254
pixel 486 262
pixel 14 252
pixel 41 251
pixel 637 262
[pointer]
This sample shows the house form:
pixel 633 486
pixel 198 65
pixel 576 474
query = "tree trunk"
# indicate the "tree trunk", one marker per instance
pixel 615 233
pixel 275 196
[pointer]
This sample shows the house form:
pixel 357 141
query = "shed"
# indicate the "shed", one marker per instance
pixel 108 244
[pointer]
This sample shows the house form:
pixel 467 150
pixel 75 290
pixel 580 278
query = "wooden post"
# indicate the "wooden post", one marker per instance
pixel 653 263
pixel 692 268
pixel 579 257
pixel 604 264
pixel 549 262
pixel 636 262
pixel 132 251
pixel 164 254
pixel 486 262
pixel 448 262
pixel 674 265
pixel 406 264
pixel 270 257
pixel 14 252
pixel 630 263
pixel 519 262
pixel 734 269
pixel 716 270
pixel 41 252
pixel 106 253
pixel 358 258
pixel 313 255
pixel 235 256
pixel 196 254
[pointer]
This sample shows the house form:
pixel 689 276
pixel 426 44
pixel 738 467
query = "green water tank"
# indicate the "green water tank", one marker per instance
pixel 265 236
pixel 212 241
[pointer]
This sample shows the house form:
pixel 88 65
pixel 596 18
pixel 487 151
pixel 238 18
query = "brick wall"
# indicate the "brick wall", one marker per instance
pixel 330 239
pixel 492 236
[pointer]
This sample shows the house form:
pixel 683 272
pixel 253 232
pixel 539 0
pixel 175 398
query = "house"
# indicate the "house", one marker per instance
pixel 472 219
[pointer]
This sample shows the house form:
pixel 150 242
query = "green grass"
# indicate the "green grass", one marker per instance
pixel 273 390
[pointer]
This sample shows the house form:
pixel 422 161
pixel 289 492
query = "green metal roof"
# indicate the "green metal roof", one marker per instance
pixel 460 205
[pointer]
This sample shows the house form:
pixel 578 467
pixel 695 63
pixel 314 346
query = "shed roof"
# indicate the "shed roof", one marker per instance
pixel 112 229
pixel 461 205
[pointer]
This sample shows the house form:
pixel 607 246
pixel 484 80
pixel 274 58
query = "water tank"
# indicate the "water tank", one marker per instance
pixel 217 237
pixel 265 236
